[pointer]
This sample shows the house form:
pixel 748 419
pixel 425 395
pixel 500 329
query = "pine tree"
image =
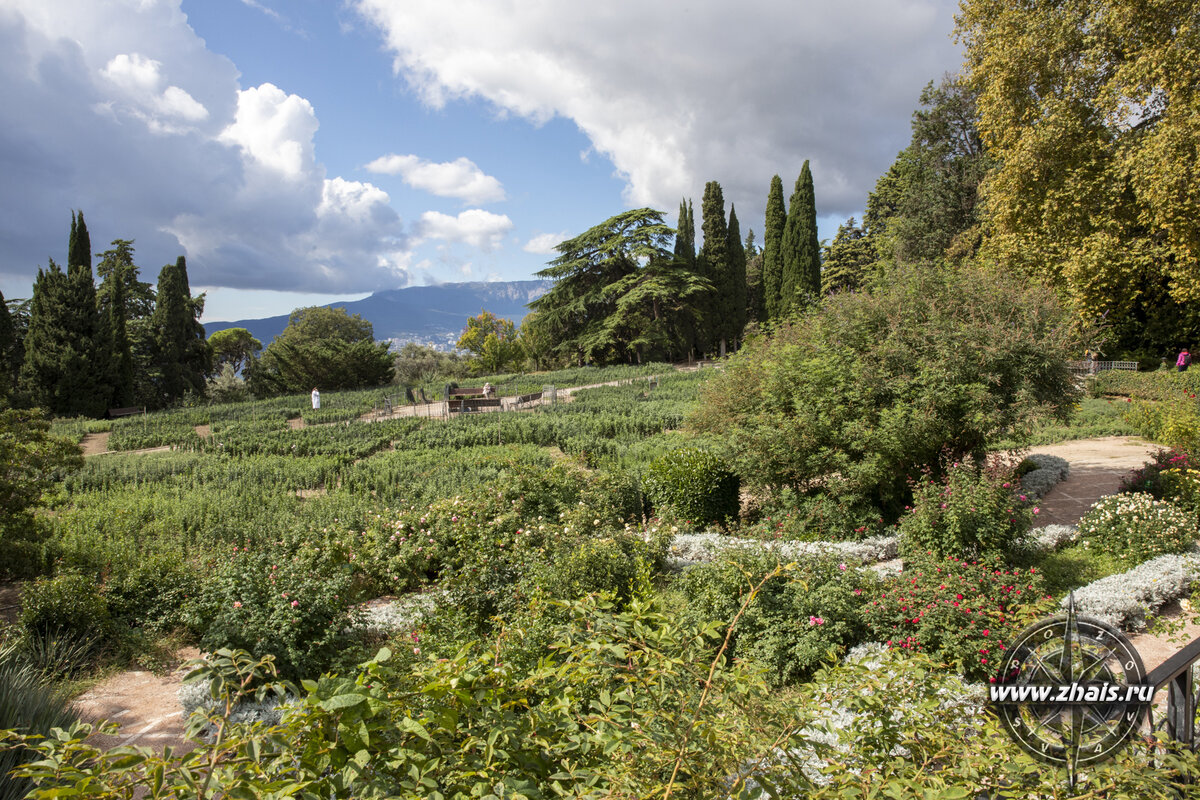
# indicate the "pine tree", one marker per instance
pixel 736 288
pixel 182 352
pixel 800 247
pixel 772 269
pixel 713 261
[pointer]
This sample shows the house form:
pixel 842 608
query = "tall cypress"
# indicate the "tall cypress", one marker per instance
pixel 713 260
pixel 772 269
pixel 8 340
pixel 734 293
pixel 112 298
pixel 49 353
pixel 800 246
pixel 685 235
pixel 182 353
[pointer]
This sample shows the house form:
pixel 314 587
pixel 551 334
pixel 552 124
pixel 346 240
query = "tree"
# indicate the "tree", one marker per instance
pixel 8 350
pixel 713 262
pixel 848 259
pixel 772 268
pixel 493 341
pixel 235 348
pixel 31 461
pixel 574 312
pixel 685 235
pixel 1090 110
pixel 733 293
pixel 183 358
pixel 534 341
pixel 322 347
pixel 857 399
pixel 417 364
pixel 800 249
pixel 126 306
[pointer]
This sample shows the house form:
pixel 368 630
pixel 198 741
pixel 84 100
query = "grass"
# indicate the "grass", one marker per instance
pixel 1092 418
pixel 1075 566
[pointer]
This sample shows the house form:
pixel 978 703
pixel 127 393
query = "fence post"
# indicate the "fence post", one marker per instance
pixel 1181 709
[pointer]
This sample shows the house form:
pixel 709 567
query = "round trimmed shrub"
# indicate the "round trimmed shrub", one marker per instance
pixel 694 485
pixel 1135 527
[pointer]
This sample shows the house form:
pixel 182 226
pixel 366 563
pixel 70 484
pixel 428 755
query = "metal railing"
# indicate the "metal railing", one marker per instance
pixel 1093 367
pixel 1176 673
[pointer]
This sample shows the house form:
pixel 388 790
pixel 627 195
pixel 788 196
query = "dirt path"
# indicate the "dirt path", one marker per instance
pixel 95 443
pixel 145 705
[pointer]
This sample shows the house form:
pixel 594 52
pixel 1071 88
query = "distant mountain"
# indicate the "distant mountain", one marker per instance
pixel 418 313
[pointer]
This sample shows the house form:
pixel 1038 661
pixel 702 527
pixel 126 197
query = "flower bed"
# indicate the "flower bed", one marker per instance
pixel 1125 599
pixel 687 549
pixel 1050 471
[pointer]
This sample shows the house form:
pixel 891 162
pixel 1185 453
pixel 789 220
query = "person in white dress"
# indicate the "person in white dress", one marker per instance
pixel 316 398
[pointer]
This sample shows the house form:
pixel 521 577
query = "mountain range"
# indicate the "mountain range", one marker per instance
pixel 427 314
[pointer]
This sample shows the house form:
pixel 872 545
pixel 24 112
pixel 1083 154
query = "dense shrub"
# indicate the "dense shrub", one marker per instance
pixel 959 611
pixel 288 601
pixel 1171 475
pixel 818 517
pixel 969 512
pixel 868 390
pixel 1135 527
pixel 1174 421
pixel 68 606
pixel 692 485
pixel 798 620
pixel 149 592
pixel 609 564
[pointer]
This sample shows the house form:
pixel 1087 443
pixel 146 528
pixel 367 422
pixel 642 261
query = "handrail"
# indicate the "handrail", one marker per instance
pixel 1176 672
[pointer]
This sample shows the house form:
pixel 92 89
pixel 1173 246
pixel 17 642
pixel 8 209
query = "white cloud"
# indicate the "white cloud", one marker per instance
pixel 544 244
pixel 459 178
pixel 691 94
pixel 474 226
pixel 274 129
pixel 91 87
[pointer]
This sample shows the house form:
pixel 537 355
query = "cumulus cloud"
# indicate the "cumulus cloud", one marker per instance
pixel 474 226
pixel 544 244
pixel 681 98
pixel 91 90
pixel 459 178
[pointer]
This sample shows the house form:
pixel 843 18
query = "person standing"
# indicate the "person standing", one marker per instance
pixel 316 399
pixel 1184 360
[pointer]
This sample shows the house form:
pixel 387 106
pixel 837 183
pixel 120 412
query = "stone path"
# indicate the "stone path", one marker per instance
pixel 1097 467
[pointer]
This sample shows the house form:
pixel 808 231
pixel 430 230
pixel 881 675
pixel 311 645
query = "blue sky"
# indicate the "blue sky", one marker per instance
pixel 307 151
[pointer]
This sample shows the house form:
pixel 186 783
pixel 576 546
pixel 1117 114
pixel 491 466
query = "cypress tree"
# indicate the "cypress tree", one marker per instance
pixel 772 268
pixel 714 265
pixel 800 246
pixel 734 293
pixel 48 352
pixel 114 312
pixel 8 340
pixel 182 353
pixel 685 235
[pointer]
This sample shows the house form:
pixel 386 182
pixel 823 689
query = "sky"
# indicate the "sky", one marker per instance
pixel 306 151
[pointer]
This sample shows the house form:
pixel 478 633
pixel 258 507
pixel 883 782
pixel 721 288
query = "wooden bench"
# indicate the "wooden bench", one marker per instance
pixel 464 392
pixel 113 413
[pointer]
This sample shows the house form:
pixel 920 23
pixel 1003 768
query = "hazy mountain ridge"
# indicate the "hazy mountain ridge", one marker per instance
pixel 418 312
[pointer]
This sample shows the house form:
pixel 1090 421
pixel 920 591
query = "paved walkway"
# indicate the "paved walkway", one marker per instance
pixel 1097 467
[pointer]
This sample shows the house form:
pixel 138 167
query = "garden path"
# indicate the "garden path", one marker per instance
pixel 1097 467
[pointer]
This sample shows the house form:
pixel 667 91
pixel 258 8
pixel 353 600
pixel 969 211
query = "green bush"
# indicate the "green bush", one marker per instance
pixel 69 606
pixel 970 512
pixel 1135 527
pixel 958 611
pixel 150 592
pixel 692 485
pixel 868 390
pixel 798 621
pixel 288 601
pixel 817 517
pixel 609 564
pixel 1174 421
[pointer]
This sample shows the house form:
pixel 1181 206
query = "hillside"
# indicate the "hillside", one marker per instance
pixel 418 312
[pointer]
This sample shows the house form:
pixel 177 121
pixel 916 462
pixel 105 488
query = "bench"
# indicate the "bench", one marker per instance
pixel 113 413
pixel 463 392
